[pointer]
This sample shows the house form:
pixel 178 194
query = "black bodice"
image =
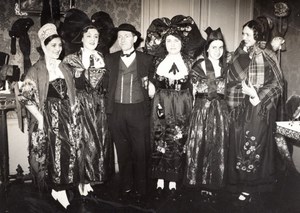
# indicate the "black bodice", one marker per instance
pixel 57 89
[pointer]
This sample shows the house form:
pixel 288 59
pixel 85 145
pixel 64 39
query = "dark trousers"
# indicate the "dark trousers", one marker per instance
pixel 129 126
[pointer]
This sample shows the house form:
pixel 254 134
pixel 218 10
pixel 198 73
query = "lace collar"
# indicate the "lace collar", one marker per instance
pixel 53 69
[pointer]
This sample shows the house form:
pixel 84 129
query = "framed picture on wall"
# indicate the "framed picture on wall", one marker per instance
pixel 34 7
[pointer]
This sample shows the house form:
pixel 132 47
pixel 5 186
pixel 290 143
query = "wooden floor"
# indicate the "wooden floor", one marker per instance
pixel 24 197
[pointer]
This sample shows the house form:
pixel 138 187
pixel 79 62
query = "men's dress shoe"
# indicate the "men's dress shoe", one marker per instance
pixel 125 195
pixel 173 194
pixel 208 196
pixel 139 199
pixel 158 193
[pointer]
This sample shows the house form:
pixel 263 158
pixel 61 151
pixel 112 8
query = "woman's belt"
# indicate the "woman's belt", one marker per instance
pixel 217 96
pixel 175 86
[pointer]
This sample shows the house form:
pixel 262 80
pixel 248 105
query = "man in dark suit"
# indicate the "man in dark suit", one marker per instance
pixel 128 108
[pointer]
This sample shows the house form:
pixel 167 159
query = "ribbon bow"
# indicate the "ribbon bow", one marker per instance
pixel 174 69
pixel 184 26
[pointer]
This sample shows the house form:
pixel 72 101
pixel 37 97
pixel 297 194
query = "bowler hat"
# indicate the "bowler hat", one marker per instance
pixel 128 27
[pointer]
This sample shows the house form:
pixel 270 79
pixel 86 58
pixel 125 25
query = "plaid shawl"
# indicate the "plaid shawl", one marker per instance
pixel 262 70
pixel 198 73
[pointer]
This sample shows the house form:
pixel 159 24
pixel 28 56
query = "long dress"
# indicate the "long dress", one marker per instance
pixel 252 149
pixel 207 141
pixel 52 150
pixel 95 153
pixel 172 105
pixel 58 128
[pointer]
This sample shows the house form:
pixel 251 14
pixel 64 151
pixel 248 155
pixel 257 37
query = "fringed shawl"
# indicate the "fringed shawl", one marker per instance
pixel 262 70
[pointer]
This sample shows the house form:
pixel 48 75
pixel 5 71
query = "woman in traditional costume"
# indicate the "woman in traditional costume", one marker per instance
pixel 255 84
pixel 48 93
pixel 172 102
pixel 90 75
pixel 207 141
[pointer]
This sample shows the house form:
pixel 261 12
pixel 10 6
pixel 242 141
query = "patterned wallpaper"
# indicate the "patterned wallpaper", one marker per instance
pixel 120 11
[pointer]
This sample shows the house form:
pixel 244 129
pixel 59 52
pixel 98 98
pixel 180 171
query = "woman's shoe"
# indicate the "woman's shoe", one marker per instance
pixel 208 196
pixel 244 196
pixel 61 197
pixel 84 189
pixel 243 199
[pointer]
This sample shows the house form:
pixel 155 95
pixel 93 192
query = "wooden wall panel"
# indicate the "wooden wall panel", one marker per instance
pixel 230 15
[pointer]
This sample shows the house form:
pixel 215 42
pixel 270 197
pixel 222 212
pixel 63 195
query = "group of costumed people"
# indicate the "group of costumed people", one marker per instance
pixel 69 140
pixel 211 118
pixel 213 113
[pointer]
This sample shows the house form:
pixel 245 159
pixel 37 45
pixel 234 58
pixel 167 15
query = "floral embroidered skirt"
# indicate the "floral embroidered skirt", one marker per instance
pixel 252 151
pixel 169 124
pixel 207 143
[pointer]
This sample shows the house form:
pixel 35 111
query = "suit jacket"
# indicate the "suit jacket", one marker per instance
pixel 112 62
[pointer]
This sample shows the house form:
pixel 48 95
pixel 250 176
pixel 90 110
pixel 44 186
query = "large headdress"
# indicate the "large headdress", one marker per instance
pixel 213 35
pixel 183 26
pixel 74 23
pixel 105 25
pixel 46 31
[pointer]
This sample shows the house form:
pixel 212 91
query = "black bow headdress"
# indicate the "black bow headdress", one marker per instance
pixel 76 20
pixel 105 25
pixel 181 26
pixel 213 35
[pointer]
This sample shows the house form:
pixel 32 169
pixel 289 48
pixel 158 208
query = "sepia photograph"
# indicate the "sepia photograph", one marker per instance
pixel 150 106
